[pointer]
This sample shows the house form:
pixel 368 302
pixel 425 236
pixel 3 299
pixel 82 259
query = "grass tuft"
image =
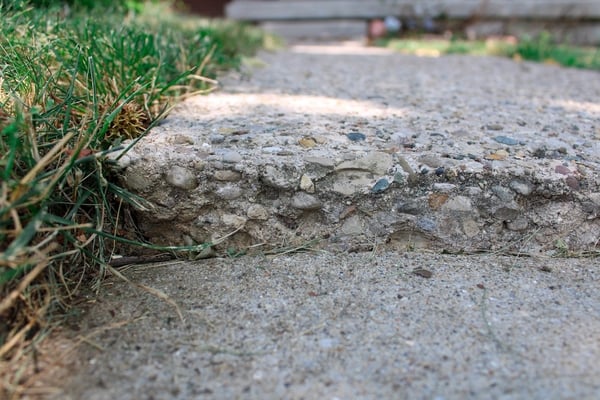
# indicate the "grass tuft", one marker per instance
pixel 541 48
pixel 73 86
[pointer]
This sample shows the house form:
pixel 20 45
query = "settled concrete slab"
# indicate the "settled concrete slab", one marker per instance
pixel 345 326
pixel 355 146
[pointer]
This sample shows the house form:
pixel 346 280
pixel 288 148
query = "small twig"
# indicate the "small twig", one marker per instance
pixel 158 293
pixel 122 261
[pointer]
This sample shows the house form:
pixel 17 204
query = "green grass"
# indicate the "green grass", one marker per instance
pixel 72 89
pixel 540 49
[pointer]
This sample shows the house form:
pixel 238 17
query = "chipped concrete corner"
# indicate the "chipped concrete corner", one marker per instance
pixel 281 160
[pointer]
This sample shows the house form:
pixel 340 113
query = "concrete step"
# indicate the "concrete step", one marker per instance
pixel 357 148
pixel 317 30
pixel 258 10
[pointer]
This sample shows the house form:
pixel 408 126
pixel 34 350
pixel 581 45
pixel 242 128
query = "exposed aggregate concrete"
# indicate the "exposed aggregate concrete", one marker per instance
pixel 353 145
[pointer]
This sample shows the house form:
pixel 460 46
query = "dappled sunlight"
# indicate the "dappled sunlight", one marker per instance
pixel 221 104
pixel 578 106
pixel 348 48
pixel 357 50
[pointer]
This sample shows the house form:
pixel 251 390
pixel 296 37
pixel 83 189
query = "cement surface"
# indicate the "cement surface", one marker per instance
pixel 345 326
pixel 340 323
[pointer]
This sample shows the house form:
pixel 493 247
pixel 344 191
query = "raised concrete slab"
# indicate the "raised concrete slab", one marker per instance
pixel 358 148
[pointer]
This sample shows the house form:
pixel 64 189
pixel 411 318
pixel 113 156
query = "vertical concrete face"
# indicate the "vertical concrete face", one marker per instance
pixel 574 21
pixel 354 148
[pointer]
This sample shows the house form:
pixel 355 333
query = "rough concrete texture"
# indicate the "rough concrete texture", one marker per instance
pixel 363 150
pixel 344 326
pixel 358 147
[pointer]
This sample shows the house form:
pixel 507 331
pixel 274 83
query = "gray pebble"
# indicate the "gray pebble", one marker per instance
pixel 431 160
pixel 226 175
pixel 321 161
pixel 304 201
pixel 356 136
pixel 506 140
pixel 229 192
pixel 520 187
pixel 519 224
pixel 272 149
pixel 216 138
pixel 411 206
pixel 231 156
pixel 426 224
pixel 504 194
pixel 444 187
pixel 380 186
pixel 256 211
pixel 458 203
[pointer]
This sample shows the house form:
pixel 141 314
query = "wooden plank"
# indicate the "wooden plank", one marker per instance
pixel 254 10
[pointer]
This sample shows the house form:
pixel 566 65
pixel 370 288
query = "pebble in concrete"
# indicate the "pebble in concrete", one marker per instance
pixel 307 202
pixel 232 157
pixel 523 188
pixel 226 175
pixel 258 212
pixel 458 203
pixel 229 192
pixel 181 178
pixel 307 184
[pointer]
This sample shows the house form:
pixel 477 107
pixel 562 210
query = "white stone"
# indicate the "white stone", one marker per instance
pixel 181 178
pixel 307 184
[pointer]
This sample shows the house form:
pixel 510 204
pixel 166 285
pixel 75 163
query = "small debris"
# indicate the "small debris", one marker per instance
pixel 422 272
pixel 494 127
pixel 545 268
pixel 480 286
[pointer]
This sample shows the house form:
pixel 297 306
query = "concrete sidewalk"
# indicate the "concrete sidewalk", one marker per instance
pixel 377 163
pixel 346 326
